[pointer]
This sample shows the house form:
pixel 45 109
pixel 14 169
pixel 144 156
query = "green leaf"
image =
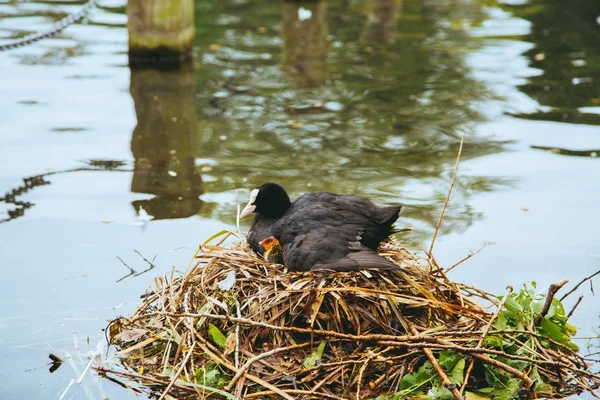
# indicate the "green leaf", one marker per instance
pixel 457 374
pixel 448 358
pixel 217 336
pixel 493 341
pixel 207 388
pixel 540 385
pixel 555 332
pixel 527 348
pixel 411 383
pixel 551 311
pixel 517 364
pixel 513 307
pixel 536 307
pixel 508 346
pixel 216 235
pixel 500 323
pixel 510 391
pixel 559 314
pixel 206 308
pixel 438 391
pixel 476 396
pixel 524 299
pixel 207 377
pixel 503 387
pixel 552 330
pixel 315 356
pixel 570 329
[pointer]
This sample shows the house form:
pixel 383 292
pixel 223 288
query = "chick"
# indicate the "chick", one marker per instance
pixel 273 251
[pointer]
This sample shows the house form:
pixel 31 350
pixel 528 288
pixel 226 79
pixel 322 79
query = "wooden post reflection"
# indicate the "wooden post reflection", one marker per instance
pixel 381 28
pixel 305 45
pixel 164 141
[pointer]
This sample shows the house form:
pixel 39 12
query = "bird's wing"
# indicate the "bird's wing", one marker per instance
pixel 356 261
pixel 322 228
pixel 316 209
pixel 332 248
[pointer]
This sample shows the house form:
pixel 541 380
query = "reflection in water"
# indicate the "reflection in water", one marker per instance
pixel 567 49
pixel 391 121
pixel 13 196
pixel 566 152
pixel 382 18
pixel 305 45
pixel 164 142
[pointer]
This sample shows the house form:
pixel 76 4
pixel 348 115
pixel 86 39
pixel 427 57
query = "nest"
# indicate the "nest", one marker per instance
pixel 234 326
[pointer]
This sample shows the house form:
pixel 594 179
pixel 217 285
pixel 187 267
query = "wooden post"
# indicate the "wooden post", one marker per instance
pixel 160 30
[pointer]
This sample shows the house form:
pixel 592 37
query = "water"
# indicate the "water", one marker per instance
pixel 361 97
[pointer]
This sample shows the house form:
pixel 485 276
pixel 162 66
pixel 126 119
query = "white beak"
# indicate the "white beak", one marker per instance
pixel 250 207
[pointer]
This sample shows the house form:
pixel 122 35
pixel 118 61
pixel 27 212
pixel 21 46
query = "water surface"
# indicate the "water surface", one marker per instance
pixel 98 160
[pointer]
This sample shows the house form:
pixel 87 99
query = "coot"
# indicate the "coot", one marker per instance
pixel 320 230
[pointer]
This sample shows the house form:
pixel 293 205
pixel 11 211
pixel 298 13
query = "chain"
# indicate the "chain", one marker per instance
pixel 58 27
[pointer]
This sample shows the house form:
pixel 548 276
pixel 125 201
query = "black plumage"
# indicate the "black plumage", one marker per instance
pixel 322 230
pixel 269 204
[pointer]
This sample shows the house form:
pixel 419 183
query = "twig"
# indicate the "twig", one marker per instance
pixel 203 345
pixel 146 378
pixel 436 366
pixel 257 357
pixel 179 347
pixel 485 332
pixel 237 219
pixel 469 350
pixel 361 371
pixel 319 395
pixel 437 226
pixel 327 378
pixel 521 375
pixel 574 307
pixel 471 254
pixel 240 388
pixel 332 364
pixel 402 230
pixel 391 372
pixel 579 284
pixel 555 287
pixel 237 332
pixel 339 335
pixel 185 360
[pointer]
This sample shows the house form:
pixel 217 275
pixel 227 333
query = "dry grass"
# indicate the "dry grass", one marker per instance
pixel 262 337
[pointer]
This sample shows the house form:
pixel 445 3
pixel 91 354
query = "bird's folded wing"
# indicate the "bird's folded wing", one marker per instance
pixel 356 261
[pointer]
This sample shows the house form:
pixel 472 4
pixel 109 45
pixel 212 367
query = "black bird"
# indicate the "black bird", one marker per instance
pixel 320 230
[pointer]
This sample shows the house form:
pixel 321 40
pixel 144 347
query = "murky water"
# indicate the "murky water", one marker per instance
pixel 99 161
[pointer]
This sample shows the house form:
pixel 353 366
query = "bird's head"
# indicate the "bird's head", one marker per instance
pixel 270 200
pixel 270 243
pixel 273 250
